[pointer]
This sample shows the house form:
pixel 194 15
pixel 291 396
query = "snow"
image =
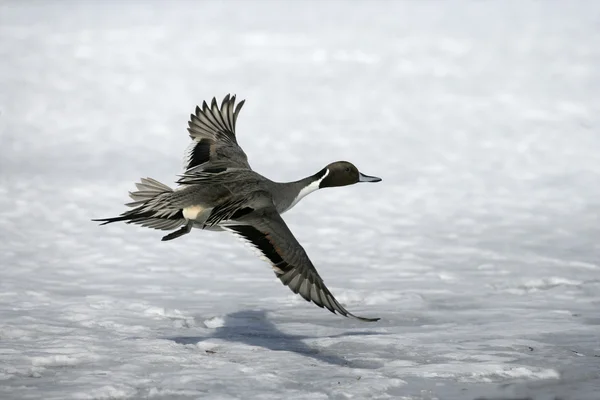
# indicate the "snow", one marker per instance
pixel 479 250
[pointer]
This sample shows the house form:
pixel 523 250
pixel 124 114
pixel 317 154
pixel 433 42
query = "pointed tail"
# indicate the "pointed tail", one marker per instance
pixel 152 207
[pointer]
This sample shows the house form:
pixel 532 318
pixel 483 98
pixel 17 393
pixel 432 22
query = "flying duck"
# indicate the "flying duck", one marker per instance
pixel 220 191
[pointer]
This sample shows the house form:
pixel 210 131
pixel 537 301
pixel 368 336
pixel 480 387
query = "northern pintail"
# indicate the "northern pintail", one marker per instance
pixel 220 191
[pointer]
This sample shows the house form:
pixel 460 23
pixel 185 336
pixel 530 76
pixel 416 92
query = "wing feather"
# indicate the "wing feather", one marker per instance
pixel 214 125
pixel 271 236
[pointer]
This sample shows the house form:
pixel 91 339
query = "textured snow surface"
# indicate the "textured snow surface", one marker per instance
pixel 479 250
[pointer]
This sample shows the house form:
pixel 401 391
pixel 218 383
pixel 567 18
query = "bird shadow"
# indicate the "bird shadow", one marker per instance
pixel 252 327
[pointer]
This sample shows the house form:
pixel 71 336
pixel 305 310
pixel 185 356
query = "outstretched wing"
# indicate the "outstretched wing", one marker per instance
pixel 214 145
pixel 269 234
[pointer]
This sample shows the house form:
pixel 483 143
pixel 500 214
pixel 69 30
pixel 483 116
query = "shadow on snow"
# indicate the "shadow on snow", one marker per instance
pixel 252 327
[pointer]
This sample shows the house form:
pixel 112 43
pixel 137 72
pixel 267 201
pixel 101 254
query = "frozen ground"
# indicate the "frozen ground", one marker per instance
pixel 479 250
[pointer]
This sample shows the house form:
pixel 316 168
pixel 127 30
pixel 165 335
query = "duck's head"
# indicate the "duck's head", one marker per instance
pixel 343 173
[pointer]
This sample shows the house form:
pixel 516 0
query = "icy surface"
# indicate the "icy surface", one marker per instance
pixel 479 250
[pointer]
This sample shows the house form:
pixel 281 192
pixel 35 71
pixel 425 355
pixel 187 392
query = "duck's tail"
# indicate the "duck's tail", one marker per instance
pixel 152 207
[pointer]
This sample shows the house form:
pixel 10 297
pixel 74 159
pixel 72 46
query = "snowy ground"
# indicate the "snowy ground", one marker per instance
pixel 479 250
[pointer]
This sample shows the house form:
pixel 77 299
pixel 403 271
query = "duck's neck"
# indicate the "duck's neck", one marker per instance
pixel 299 189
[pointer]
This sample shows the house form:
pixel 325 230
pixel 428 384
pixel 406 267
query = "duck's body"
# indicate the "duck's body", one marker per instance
pixel 241 183
pixel 220 191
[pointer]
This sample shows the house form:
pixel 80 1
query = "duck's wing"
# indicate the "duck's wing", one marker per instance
pixel 214 145
pixel 266 230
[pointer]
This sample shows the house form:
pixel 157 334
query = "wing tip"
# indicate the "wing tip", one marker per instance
pixel 364 319
pixel 345 313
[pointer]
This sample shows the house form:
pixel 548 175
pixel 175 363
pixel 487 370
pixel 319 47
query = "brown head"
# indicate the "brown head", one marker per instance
pixel 342 173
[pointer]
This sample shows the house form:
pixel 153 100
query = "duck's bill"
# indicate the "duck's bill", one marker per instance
pixel 366 178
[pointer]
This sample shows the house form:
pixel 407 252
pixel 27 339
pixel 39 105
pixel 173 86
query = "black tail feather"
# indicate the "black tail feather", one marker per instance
pixel 128 217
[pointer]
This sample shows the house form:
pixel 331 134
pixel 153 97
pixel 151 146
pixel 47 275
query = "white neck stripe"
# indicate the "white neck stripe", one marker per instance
pixel 308 189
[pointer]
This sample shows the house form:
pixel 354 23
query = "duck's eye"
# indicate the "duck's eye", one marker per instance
pixel 347 169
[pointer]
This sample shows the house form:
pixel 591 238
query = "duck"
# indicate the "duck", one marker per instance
pixel 219 191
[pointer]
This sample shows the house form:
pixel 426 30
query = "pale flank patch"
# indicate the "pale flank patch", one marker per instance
pixel 308 190
pixel 192 212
